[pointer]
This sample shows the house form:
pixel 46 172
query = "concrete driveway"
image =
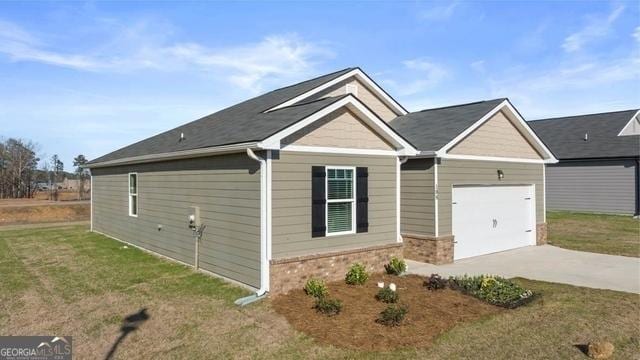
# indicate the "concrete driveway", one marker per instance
pixel 547 263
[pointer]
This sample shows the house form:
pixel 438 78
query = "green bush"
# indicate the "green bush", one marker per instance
pixel 493 289
pixel 392 315
pixel 435 282
pixel 357 275
pixel 396 266
pixel 328 306
pixel 387 295
pixel 316 288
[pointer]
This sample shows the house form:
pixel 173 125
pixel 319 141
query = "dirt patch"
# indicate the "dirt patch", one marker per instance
pixel 430 314
pixel 43 214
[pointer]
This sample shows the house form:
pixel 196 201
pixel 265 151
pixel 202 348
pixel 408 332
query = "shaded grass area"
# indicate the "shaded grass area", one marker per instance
pixel 605 234
pixel 72 282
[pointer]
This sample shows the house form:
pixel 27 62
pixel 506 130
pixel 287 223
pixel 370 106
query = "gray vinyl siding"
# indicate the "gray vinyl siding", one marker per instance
pixel 417 204
pixel 291 204
pixel 607 186
pixel 227 190
pixel 469 172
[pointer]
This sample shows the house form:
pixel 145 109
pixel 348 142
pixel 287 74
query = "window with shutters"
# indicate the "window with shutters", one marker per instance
pixel 340 200
pixel 133 194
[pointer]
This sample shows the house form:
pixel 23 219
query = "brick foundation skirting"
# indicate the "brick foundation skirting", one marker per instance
pixel 541 234
pixel 292 273
pixel 430 249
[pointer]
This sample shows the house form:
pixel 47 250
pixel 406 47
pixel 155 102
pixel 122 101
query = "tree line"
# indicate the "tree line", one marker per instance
pixel 20 176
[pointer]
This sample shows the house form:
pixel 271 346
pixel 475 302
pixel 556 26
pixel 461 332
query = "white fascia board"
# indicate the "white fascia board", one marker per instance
pixel 360 75
pixel 496 158
pixel 337 150
pixel 521 124
pixel 175 155
pixel 635 117
pixel 351 102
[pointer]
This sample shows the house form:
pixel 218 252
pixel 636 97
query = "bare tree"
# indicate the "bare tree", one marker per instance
pixel 18 163
pixel 81 172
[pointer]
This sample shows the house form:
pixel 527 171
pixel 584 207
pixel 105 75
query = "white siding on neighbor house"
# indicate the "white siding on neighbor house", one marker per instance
pixel 607 186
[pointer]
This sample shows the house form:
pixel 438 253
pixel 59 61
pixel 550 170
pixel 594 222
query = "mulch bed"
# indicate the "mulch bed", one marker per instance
pixel 430 314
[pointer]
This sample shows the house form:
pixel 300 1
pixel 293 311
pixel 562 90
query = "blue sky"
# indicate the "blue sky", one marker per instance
pixel 88 77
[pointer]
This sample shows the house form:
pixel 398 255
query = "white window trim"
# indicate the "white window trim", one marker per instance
pixel 327 201
pixel 129 194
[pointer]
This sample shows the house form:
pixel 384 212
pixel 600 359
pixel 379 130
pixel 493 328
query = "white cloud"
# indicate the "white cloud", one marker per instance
pixel 285 56
pixel 478 66
pixel 439 12
pixel 567 88
pixel 596 28
pixel 417 76
pixel 636 34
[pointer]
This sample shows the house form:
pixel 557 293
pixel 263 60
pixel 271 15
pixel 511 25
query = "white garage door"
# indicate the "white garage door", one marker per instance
pixel 489 219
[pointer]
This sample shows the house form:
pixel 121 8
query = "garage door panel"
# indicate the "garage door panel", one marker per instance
pixel 489 219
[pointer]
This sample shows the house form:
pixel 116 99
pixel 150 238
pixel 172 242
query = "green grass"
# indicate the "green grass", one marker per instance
pixel 606 234
pixel 69 281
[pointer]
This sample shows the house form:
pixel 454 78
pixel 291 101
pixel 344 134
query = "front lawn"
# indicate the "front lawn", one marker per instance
pixel 606 234
pixel 66 281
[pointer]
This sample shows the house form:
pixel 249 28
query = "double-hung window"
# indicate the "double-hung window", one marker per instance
pixel 340 200
pixel 133 194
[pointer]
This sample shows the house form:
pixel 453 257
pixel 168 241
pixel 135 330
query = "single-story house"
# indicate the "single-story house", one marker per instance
pixel 477 186
pixel 598 168
pixel 305 180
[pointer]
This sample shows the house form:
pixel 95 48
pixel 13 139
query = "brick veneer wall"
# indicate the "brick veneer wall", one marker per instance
pixel 430 249
pixel 292 273
pixel 541 234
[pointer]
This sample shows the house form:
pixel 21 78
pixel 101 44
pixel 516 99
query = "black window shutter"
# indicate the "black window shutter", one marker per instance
pixel 362 199
pixel 318 201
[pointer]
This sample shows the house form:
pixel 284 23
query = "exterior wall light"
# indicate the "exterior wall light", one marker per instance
pixel 500 175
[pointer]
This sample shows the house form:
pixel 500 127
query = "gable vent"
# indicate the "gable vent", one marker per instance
pixel 352 89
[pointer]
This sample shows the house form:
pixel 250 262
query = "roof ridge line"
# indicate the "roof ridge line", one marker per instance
pixel 581 115
pixel 310 102
pixel 458 105
pixel 308 80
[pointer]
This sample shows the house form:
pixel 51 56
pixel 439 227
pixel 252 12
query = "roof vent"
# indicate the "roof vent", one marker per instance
pixel 586 136
pixel 181 137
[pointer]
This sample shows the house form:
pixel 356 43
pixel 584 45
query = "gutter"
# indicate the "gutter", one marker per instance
pixel 264 228
pixel 173 155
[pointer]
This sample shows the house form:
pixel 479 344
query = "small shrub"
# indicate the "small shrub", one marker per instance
pixel 392 315
pixel 435 282
pixel 316 288
pixel 396 266
pixel 493 289
pixel 357 275
pixel 328 306
pixel 387 295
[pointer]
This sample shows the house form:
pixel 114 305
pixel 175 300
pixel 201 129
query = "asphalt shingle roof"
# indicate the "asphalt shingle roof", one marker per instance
pixel 565 136
pixel 431 129
pixel 243 122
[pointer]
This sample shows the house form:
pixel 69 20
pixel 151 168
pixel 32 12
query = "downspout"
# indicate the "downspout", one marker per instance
pixel 264 256
pixel 401 160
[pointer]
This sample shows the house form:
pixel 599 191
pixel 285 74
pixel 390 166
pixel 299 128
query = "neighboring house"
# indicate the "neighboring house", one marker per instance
pixel 305 180
pixel 598 169
pixel 477 185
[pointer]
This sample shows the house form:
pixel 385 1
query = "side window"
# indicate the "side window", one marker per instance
pixel 340 201
pixel 133 194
